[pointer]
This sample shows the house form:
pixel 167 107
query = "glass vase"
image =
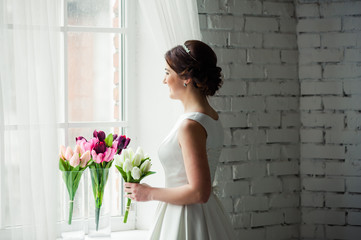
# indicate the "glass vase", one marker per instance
pixel 73 205
pixel 99 211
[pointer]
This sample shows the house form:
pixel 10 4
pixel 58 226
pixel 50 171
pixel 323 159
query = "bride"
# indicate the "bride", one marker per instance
pixel 188 208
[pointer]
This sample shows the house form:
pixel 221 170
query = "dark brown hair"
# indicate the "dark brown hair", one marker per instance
pixel 199 64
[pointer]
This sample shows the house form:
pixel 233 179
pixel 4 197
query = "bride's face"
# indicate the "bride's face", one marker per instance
pixel 175 84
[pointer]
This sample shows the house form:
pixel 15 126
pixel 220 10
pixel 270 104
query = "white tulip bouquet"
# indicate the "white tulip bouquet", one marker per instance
pixel 133 167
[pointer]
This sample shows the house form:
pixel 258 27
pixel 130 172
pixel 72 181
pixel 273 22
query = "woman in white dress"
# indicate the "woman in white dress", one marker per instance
pixel 188 208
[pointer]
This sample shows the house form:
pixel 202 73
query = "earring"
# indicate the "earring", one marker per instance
pixel 185 85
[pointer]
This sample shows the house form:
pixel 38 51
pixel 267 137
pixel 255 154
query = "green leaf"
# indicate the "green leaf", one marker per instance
pixel 145 175
pixel 124 175
pixel 109 140
pixel 63 165
pixel 141 162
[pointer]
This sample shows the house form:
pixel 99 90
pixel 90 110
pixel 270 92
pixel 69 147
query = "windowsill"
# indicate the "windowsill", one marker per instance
pixel 129 234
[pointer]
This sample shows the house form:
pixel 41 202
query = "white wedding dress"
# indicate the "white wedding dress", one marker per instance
pixel 195 221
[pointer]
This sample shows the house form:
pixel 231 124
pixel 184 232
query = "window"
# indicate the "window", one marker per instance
pixel 95 37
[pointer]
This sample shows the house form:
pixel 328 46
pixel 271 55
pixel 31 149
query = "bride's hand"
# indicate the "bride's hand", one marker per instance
pixel 137 192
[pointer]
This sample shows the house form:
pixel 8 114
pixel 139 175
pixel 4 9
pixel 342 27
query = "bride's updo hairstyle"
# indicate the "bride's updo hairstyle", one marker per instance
pixel 196 60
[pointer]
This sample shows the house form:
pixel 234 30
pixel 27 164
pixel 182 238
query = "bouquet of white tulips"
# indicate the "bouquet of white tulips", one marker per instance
pixel 133 167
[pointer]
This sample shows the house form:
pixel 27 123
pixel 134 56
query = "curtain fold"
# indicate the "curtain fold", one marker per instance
pixel 172 22
pixel 30 38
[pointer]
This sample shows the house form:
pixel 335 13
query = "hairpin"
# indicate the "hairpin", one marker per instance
pixel 189 52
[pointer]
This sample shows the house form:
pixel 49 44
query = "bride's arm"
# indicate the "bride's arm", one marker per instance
pixel 192 139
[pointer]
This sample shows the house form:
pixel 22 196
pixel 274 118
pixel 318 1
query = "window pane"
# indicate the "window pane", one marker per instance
pixel 94 13
pixel 93 61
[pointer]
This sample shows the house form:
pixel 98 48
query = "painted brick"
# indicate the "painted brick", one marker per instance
pixel 263 56
pixel 290 88
pixel 238 23
pixel 310 103
pixel 247 170
pixel 261 152
pixel 292 216
pixel 290 119
pixel 282 232
pixel 342 71
pixel 247 71
pixel 251 203
pixel 227 137
pixel 324 184
pixel 320 55
pixel 208 6
pixel 248 104
pixel 343 200
pixel 282 135
pixel 313 231
pixel 354 218
pixel 246 40
pixel 340 8
pixel 282 71
pixel 353 184
pixel 232 189
pixel 289 56
pixel 343 137
pixel 223 173
pixel 261 24
pixel 259 119
pixel 343 168
pixel 308 40
pixel 287 25
pixel 248 136
pixel 247 7
pixel 280 40
pixel 284 201
pixel 308 10
pixel 266 185
pixel 352 55
pixel 353 119
pixel 330 40
pixel 354 152
pixel 231 55
pixel 343 232
pixel 278 9
pixel 290 184
pixel 233 88
pixel 307 72
pixel 241 220
pixel 266 218
pixel 326 119
pixel 314 167
pixel 342 103
pixel 233 119
pixel 352 87
pixel 281 103
pixel 290 151
pixel 251 233
pixel 227 204
pixel 234 154
pixel 323 217
pixel 224 22
pixel 218 38
pixel 322 151
pixel 352 23
pixel 321 88
pixel 202 21
pixel 311 136
pixel 220 103
pixel 312 199
pixel 264 88
pixel 319 25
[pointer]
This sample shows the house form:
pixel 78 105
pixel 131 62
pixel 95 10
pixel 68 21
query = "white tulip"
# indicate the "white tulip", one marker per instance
pixel 145 166
pixel 127 166
pixel 136 160
pixel 130 153
pixel 140 152
pixel 118 160
pixel 136 173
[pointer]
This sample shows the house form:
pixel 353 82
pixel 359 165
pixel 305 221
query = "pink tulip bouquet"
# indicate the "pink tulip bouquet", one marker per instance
pixel 103 149
pixel 72 164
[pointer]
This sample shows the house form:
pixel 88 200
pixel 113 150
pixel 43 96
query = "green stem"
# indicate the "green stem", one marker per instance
pixel 127 210
pixel 97 212
pixel 70 211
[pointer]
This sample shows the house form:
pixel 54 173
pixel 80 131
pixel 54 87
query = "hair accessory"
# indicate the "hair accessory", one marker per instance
pixel 184 84
pixel 188 51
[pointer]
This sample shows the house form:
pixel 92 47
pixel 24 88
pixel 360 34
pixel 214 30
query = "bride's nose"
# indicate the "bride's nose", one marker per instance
pixel 164 81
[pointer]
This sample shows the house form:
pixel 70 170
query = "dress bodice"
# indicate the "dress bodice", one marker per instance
pixel 170 153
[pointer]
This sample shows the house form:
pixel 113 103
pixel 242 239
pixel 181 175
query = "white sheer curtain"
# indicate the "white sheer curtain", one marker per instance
pixel 29 46
pixel 162 24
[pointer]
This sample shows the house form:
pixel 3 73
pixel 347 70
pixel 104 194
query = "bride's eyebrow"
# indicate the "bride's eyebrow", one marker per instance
pixel 166 69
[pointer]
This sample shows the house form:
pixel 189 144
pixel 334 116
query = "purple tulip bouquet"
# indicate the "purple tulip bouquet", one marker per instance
pixel 102 148
pixel 72 164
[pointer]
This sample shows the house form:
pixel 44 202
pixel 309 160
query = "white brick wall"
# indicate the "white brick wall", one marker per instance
pixel 330 81
pixel 290 107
